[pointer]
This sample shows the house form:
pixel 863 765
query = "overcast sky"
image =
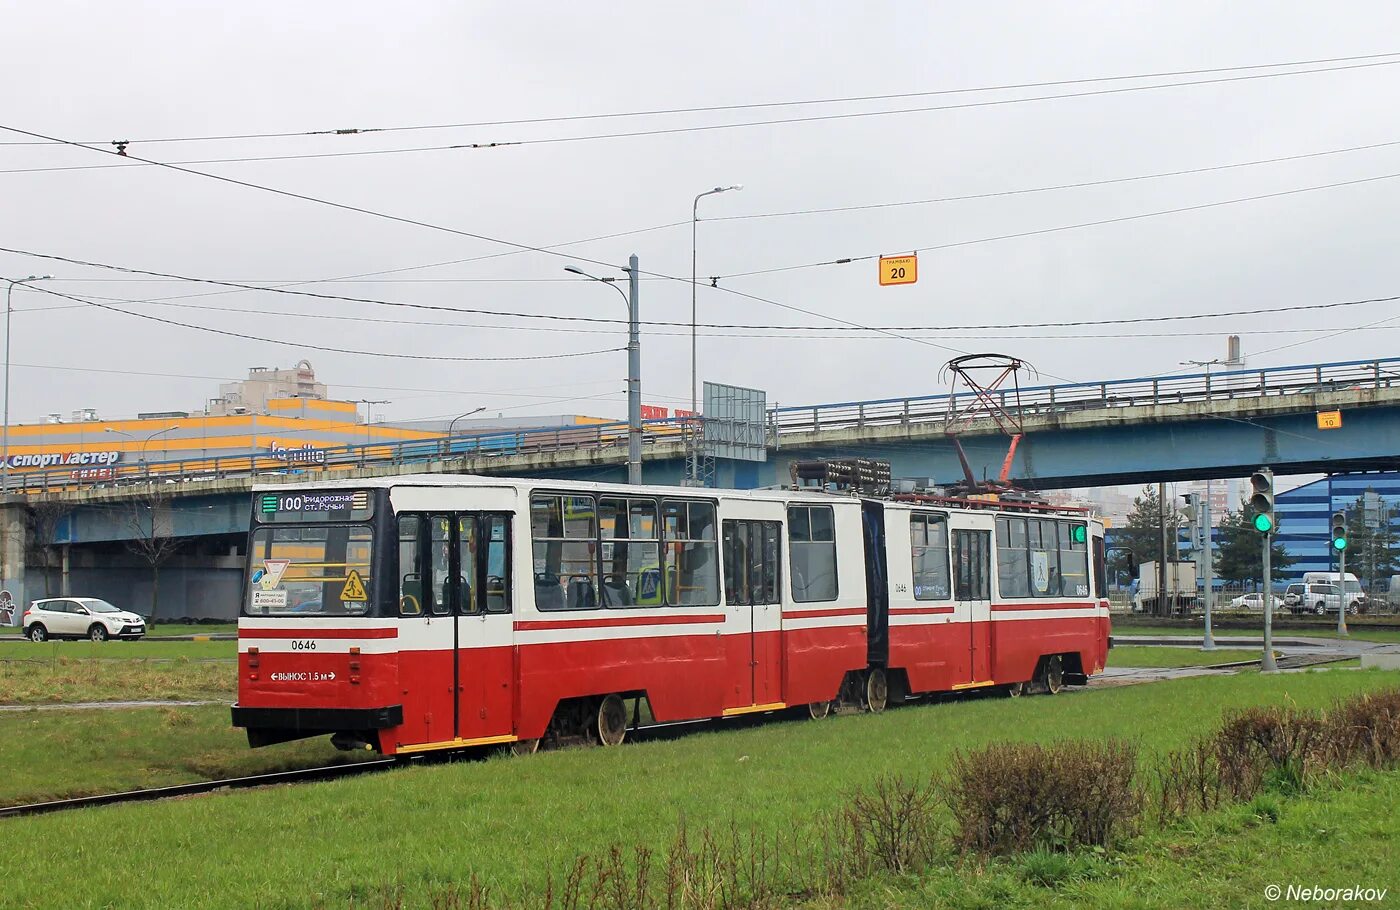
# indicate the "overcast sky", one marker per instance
pixel 99 71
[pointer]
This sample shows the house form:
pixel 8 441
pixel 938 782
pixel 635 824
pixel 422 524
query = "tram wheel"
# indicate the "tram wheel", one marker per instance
pixel 819 709
pixel 877 691
pixel 525 747
pixel 1053 677
pixel 611 723
pixel 1015 690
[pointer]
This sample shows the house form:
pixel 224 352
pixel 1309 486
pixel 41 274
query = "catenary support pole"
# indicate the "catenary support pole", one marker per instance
pixel 634 373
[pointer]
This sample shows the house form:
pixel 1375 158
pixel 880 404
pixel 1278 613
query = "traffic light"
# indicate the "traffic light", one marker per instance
pixel 1262 502
pixel 1339 531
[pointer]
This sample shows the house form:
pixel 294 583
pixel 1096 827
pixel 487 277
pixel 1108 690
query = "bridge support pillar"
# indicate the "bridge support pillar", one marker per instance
pixel 14 530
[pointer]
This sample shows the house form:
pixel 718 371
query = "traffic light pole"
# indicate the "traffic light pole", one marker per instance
pixel 1267 664
pixel 1342 587
pixel 1208 640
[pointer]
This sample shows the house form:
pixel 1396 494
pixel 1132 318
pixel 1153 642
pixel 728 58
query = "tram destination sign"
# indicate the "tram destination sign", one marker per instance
pixel 303 505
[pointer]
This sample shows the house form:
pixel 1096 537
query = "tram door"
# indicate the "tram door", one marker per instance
pixel 972 588
pixel 485 653
pixel 458 662
pixel 752 586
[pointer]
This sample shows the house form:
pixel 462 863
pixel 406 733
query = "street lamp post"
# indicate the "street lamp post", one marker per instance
pixel 693 446
pixel 9 310
pixel 1208 639
pixel 634 362
pixel 144 445
pixel 451 428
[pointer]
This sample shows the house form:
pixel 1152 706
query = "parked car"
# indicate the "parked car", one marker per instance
pixel 1248 602
pixel 79 617
pixel 1319 598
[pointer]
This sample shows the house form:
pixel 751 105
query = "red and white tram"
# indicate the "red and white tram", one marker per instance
pixel 434 612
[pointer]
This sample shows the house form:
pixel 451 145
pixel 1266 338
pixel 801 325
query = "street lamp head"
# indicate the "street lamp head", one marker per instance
pixel 575 270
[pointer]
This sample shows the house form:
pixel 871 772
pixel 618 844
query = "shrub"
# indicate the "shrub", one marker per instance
pixel 1014 797
pixel 1366 728
pixel 890 825
pixel 1282 746
pixel 1187 780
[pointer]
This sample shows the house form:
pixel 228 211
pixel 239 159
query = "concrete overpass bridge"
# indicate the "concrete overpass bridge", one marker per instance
pixel 1183 427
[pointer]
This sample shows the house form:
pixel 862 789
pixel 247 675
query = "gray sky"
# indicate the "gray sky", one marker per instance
pixel 93 71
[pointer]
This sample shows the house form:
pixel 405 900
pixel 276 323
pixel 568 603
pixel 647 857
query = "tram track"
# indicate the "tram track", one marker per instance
pixel 198 788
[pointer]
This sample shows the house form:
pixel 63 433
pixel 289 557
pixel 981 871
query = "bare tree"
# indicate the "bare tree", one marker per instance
pixel 44 517
pixel 148 519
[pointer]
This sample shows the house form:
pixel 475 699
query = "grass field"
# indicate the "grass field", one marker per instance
pixel 1121 627
pixel 118 650
pixel 55 754
pixel 1164 656
pixel 69 680
pixel 511 821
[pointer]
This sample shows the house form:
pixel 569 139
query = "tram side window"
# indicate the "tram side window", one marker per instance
pixel 410 568
pixel 812 541
pixel 440 556
pixel 1012 566
pixel 631 552
pixel 494 532
pixel 1043 545
pixel 928 542
pixel 1074 560
pixel 565 536
pixel 692 558
pixel 751 562
pixel 1100 569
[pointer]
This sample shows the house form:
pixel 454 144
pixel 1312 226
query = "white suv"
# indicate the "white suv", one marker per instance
pixel 79 617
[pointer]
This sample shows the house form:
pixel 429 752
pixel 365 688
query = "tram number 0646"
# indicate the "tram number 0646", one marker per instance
pixel 301 645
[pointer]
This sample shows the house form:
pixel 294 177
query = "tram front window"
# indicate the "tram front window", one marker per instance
pixel 309 571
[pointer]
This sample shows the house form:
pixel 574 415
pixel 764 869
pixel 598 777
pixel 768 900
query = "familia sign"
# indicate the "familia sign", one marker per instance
pixel 307 454
pixel 64 459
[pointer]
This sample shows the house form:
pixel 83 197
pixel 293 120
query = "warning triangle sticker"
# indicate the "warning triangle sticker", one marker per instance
pixel 272 574
pixel 354 588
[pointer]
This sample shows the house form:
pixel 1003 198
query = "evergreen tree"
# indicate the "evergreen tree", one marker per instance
pixel 1142 535
pixel 1239 556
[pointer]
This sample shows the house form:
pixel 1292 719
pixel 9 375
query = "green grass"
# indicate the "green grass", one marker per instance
pixel 69 680
pixel 1121 627
pixel 56 754
pixel 181 628
pixel 1335 838
pixel 118 650
pixel 1163 656
pixel 515 820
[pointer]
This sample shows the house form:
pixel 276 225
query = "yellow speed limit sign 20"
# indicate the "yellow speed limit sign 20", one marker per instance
pixel 899 269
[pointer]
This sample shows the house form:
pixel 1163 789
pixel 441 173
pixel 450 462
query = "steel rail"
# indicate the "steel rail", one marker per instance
pixel 304 775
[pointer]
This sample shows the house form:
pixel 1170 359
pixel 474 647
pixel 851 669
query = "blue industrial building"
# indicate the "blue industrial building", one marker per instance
pixel 1304 514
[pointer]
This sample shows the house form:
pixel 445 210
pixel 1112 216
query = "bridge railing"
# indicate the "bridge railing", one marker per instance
pixel 494 444
pixel 1031 401
pixel 1078 396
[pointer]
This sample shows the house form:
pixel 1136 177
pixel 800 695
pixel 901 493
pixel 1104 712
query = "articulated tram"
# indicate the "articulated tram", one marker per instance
pixel 430 612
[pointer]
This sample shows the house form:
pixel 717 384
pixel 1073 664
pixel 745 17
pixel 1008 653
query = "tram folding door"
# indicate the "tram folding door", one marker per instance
pixel 456 613
pixel 972 560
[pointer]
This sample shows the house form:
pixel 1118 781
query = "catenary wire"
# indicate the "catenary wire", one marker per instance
pixel 1376 60
pixel 1129 320
pixel 1064 227
pixel 321 347
pixel 129 160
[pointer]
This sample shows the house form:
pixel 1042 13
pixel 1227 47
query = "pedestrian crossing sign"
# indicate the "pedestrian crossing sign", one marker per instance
pixel 354 588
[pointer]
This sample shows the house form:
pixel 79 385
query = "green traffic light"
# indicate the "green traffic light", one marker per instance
pixel 1263 522
pixel 1079 534
pixel 1339 543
